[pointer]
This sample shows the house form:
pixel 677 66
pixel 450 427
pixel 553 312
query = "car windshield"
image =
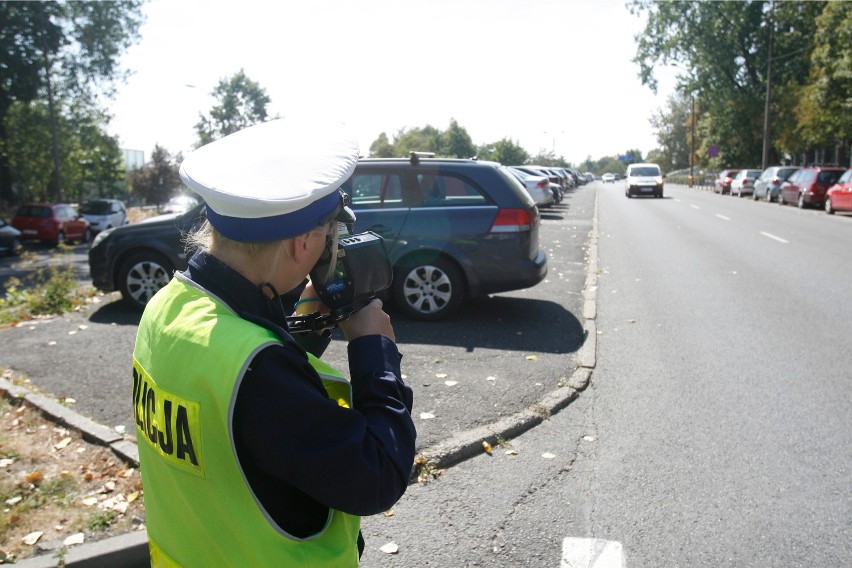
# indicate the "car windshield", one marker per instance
pixel 645 171
pixel 95 208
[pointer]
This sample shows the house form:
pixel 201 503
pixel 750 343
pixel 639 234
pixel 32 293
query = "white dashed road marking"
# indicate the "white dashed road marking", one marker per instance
pixel 771 236
pixel 591 553
pixel 723 217
pixel 695 206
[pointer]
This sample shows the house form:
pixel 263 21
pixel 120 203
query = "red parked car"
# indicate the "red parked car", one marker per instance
pixel 55 223
pixel 723 181
pixel 808 186
pixel 839 196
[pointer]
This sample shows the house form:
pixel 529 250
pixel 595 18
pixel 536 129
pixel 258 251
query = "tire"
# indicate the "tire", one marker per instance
pixel 429 290
pixel 800 203
pixel 15 247
pixel 781 199
pixel 60 238
pixel 828 207
pixel 142 275
pixel 87 237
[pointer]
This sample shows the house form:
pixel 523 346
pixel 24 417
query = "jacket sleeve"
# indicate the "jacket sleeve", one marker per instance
pixel 354 460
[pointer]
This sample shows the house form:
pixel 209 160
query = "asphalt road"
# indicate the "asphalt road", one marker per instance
pixel 496 356
pixel 716 431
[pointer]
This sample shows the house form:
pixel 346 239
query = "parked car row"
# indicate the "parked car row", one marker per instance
pixel 452 228
pixel 824 187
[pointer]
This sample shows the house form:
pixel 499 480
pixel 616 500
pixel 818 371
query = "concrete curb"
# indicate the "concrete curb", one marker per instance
pixel 131 550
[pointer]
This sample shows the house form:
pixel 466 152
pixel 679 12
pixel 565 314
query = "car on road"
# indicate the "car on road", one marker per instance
pixel 138 259
pixel 180 204
pixel 839 195
pixel 644 179
pixel 743 182
pixel 722 183
pixel 104 214
pixel 537 186
pixel 453 228
pixel 55 223
pixel 808 186
pixel 608 178
pixel 768 185
pixel 10 239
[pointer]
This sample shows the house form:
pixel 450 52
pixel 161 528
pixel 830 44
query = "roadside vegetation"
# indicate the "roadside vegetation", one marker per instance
pixel 57 489
pixel 47 291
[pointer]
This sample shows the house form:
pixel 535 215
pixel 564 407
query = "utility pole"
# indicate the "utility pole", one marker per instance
pixel 765 161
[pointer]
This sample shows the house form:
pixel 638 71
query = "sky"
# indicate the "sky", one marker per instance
pixel 552 75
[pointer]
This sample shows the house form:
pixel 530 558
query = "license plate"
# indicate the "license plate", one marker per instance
pixel 29 232
pixel 646 189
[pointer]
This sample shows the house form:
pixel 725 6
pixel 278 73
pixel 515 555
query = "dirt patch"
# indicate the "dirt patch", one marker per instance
pixel 57 489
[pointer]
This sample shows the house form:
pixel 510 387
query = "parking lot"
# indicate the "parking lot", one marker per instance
pixel 495 356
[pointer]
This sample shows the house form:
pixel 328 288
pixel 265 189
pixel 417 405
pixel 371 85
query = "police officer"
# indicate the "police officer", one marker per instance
pixel 253 451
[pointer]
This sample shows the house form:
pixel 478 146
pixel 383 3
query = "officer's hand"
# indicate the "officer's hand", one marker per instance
pixel 369 320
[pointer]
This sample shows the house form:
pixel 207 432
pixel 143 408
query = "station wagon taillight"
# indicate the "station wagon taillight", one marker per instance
pixel 514 220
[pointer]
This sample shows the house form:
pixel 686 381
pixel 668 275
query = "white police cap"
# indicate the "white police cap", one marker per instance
pixel 273 180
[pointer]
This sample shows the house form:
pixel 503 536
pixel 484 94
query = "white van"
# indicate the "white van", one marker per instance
pixel 644 179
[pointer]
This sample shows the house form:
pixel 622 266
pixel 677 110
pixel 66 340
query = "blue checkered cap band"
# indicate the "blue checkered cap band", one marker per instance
pixel 273 180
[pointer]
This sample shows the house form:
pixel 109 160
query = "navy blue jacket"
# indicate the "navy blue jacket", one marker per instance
pixel 301 452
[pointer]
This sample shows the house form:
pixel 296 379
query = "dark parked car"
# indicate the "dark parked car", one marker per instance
pixel 10 239
pixel 723 181
pixel 452 228
pixel 839 196
pixel 808 186
pixel 54 223
pixel 140 258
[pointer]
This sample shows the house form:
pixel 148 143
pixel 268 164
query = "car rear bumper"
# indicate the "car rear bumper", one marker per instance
pixel 521 275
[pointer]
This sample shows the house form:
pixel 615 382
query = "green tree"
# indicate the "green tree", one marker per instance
pixel 63 51
pixel 824 109
pixel 504 151
pixel 723 49
pixel 241 103
pixel 672 128
pixel 381 147
pixel 456 142
pixel 158 179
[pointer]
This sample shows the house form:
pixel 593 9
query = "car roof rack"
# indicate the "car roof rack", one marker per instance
pixel 415 156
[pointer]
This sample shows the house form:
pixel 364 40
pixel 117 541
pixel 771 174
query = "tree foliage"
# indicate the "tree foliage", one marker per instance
pixel 57 57
pixel 159 178
pixel 241 102
pixel 723 50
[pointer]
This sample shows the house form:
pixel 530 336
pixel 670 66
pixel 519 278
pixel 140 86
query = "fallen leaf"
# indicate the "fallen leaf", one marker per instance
pixel 511 452
pixel 426 415
pixel 451 383
pixel 631 321
pixel 441 375
pixel 548 455
pixel 389 513
pixel 90 501
pixel 589 438
pixel 133 497
pixel 6 462
pixel 120 429
pixel 490 378
pixel 532 357
pixel 12 500
pixel 32 538
pixel 78 538
pixel 390 548
pixel 487 447
pixel 35 477
pixel 63 443
pixel 70 400
pixel 51 343
pixel 83 327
